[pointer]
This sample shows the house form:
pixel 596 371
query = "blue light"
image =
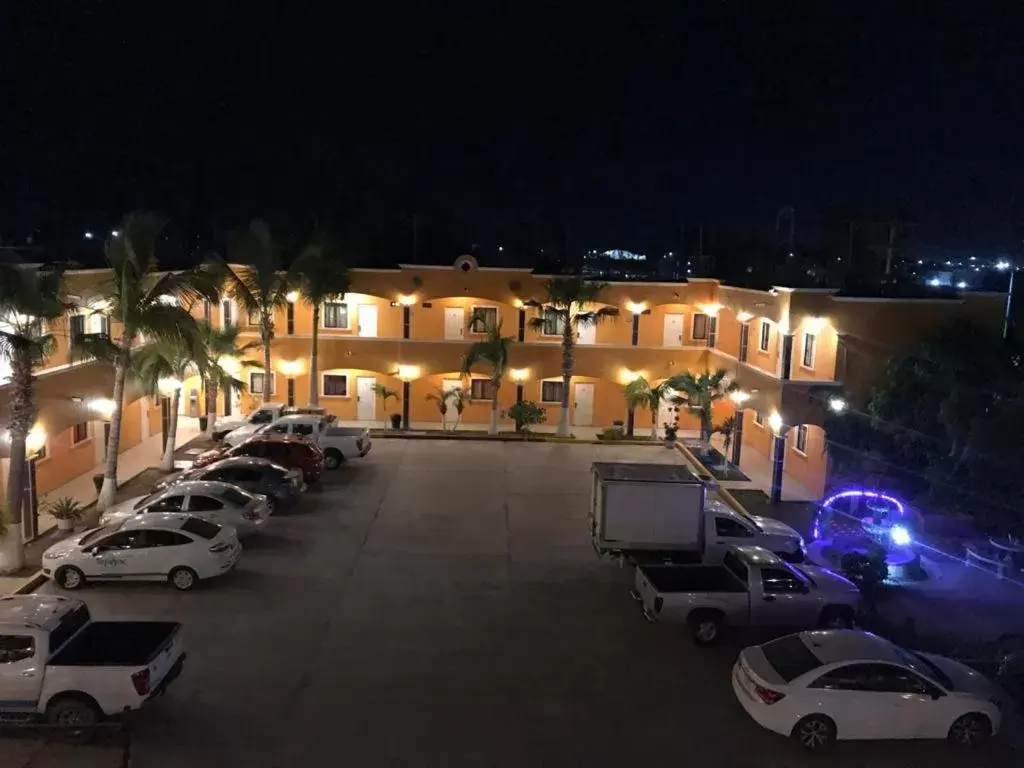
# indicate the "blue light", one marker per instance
pixel 900 536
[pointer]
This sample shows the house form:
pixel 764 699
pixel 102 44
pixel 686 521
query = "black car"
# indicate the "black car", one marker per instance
pixel 281 485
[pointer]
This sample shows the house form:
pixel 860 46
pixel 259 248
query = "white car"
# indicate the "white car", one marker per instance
pixel 220 503
pixel 174 547
pixel 845 684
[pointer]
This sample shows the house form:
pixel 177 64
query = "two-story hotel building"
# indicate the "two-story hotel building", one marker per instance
pixel 789 350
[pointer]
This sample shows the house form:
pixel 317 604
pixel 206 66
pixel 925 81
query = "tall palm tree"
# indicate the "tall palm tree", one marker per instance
pixel 699 392
pixel 440 397
pixel 167 361
pixel 258 285
pixel 639 393
pixel 494 350
pixel 321 276
pixel 29 298
pixel 218 344
pixel 142 301
pixel 565 310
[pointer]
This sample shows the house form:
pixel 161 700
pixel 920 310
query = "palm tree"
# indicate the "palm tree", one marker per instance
pixel 166 361
pixel 494 350
pixel 258 285
pixel 146 302
pixel 458 396
pixel 385 393
pixel 565 311
pixel 699 393
pixel 726 429
pixel 29 297
pixel 217 345
pixel 440 397
pixel 321 276
pixel 639 393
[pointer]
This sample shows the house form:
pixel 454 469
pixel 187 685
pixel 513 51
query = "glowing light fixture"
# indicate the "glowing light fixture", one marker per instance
pixel 710 309
pixel 167 299
pixel 168 385
pixel 35 440
pixel 739 396
pixel 934 282
pixel 626 376
pixel 899 535
pixel 87 235
pixel 406 300
pixel 115 233
pixel 775 421
pixel 291 367
pixel 962 284
pixel 519 375
pixel 408 372
pixel 635 308
pixel 744 316
pixel 814 324
pixel 1002 265
pixel 102 406
pixel 837 404
pixel 867 495
pixel 292 296
pixel 229 364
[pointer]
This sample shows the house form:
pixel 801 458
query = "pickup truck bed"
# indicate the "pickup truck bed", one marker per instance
pixel 697 578
pixel 116 643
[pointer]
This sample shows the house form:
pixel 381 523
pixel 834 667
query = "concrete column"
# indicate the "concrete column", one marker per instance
pixel 522 325
pixel 406 321
pixel 737 438
pixel 778 463
pixel 406 388
pixel 636 329
pixel 519 399
pixel 785 356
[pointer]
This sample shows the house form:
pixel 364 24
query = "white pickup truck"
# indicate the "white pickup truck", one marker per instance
pixel 339 444
pixel 265 414
pixel 59 666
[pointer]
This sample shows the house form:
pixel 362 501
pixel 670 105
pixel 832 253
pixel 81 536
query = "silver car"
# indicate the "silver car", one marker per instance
pixel 220 503
pixel 280 485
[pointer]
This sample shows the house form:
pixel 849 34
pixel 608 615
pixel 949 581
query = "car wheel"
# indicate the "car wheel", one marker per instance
pixel 74 717
pixel 836 618
pixel 706 627
pixel 182 578
pixel 70 577
pixel 970 730
pixel 333 459
pixel 815 732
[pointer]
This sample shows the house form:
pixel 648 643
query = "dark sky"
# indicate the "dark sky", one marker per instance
pixel 621 121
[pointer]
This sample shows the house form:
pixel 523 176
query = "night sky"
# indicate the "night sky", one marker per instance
pixel 620 124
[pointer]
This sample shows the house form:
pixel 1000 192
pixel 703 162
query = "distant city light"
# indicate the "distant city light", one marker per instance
pixel 1002 265
pixel 501 248
pixel 934 282
pixel 115 233
pixel 920 261
pixel 949 263
pixel 974 258
pixel 961 284
pixel 88 235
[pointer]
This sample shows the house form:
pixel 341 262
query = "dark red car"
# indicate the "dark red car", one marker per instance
pixel 288 451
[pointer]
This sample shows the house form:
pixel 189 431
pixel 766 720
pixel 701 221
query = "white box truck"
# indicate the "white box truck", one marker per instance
pixel 664 513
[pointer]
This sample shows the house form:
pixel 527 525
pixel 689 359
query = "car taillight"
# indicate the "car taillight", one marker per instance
pixel 658 602
pixel 140 680
pixel 767 695
pixel 218 548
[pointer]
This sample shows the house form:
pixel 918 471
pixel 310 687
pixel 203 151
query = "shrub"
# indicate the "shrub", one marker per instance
pixel 526 414
pixel 618 423
pixel 867 570
pixel 65 508
pixel 612 433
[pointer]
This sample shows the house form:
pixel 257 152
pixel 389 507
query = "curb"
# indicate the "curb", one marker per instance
pixel 34 583
pixel 513 439
pixel 727 497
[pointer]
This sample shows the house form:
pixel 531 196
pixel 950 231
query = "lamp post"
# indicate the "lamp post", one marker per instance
pixel 1002 266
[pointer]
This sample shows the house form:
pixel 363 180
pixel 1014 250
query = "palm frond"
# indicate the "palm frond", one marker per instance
pixel 320 271
pixel 94 346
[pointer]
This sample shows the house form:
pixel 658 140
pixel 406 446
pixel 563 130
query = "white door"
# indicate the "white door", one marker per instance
pixel 449 384
pixel 666 409
pixel 587 334
pixel 454 323
pixel 583 405
pixel 366 407
pixel 673 331
pixel 367 318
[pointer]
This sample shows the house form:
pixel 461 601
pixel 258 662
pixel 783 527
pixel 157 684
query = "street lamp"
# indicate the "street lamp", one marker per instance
pixel 1002 266
pixel 837 404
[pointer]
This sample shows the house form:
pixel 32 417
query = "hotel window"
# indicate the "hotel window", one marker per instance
pixel 801 439
pixel 551 391
pixel 253 317
pixel 759 418
pixel 81 433
pixel 766 334
pixel 485 317
pixel 554 323
pixel 810 345
pixel 335 385
pixel 227 316
pixel 700 325
pixel 336 315
pixel 256 381
pixel 480 389
pixel 712 331
pixel 77 327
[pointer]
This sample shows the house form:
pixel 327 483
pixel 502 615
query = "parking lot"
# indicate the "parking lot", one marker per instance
pixel 438 603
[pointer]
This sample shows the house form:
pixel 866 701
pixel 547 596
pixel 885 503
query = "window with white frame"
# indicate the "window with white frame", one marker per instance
pixel 801 439
pixel 335 385
pixel 482 318
pixel 480 389
pixel 227 313
pixel 257 379
pixel 81 433
pixel 554 322
pixel 766 335
pixel 551 391
pixel 759 418
pixel 335 315
pixel 700 325
pixel 810 347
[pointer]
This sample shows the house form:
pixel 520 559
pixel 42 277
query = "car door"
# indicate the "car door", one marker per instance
pixel 121 555
pixel 727 532
pixel 21 672
pixel 784 601
pixel 169 549
pixel 209 508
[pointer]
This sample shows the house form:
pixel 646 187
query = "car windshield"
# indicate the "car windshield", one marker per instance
pixel 201 527
pixel 97 533
pixel 923 666
pixel 236 496
pixel 143 502
pixel 790 657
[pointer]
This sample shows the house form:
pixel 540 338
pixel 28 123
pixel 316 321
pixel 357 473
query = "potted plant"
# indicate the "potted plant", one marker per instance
pixel 396 421
pixel 671 431
pixel 66 511
pixel 204 422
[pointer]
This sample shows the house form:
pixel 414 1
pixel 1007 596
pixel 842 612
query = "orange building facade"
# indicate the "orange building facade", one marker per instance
pixel 792 352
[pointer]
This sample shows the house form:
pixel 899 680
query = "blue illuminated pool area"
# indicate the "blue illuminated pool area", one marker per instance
pixel 863 521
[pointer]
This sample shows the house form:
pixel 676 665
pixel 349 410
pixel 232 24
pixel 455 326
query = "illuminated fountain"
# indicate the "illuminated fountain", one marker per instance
pixel 861 521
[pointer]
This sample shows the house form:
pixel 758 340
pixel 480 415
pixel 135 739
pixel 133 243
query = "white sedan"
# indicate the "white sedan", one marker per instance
pixel 845 684
pixel 220 503
pixel 178 548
